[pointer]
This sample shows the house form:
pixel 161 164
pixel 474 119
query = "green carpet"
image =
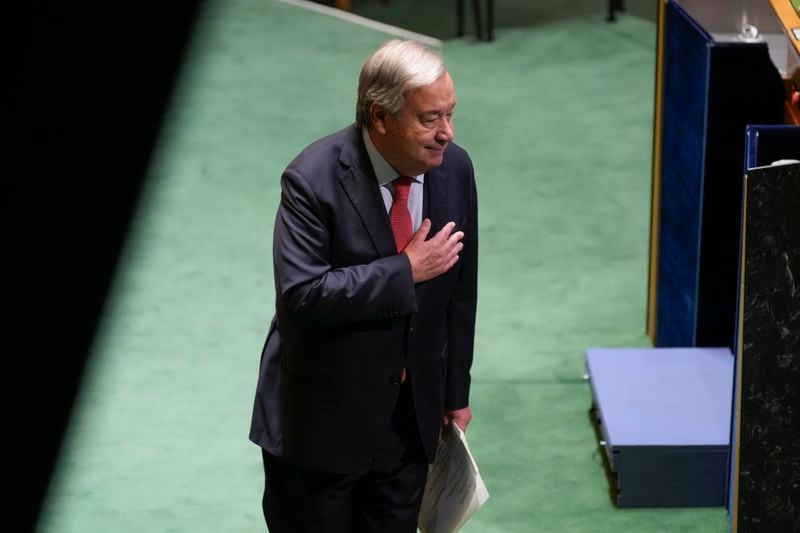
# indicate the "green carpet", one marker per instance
pixel 557 118
pixel 438 17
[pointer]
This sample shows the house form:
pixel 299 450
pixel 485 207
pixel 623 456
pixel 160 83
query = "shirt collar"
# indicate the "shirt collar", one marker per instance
pixel 383 170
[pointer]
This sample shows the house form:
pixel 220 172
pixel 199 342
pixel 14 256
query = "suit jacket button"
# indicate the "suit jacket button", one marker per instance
pixel 395 380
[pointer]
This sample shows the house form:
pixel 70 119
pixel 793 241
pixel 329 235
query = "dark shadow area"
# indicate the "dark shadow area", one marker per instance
pixel 90 84
pixel 611 476
pixel 437 18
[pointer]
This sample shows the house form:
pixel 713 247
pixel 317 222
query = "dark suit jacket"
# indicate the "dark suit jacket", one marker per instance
pixel 349 317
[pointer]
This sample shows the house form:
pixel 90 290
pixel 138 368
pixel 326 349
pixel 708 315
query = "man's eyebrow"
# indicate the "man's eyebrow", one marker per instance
pixel 437 111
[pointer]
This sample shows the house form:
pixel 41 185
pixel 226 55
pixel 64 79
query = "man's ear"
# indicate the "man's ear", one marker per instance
pixel 378 115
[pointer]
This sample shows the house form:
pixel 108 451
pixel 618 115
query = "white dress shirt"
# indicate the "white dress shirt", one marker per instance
pixel 386 174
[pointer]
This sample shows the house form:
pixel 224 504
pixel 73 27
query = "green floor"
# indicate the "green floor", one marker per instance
pixel 557 118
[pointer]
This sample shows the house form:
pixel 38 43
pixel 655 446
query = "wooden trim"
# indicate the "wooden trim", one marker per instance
pixel 789 20
pixel 737 416
pixel 655 193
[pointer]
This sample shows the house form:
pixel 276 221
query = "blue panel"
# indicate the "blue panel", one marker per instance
pixel 766 144
pixel 684 113
pixel 663 396
pixel 712 91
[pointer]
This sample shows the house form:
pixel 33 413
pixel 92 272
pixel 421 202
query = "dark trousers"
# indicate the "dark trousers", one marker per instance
pixel 383 497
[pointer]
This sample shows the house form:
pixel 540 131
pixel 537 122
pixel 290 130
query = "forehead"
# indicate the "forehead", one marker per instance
pixel 440 95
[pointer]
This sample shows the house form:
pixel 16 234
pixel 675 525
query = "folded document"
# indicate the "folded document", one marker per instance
pixel 454 490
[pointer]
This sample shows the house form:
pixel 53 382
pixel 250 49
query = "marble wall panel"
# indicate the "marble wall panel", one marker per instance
pixel 767 474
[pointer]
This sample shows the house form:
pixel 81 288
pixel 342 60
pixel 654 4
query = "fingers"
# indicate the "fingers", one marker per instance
pixel 435 256
pixel 454 241
pixel 450 245
pixel 422 233
pixel 446 230
pixel 448 240
pixel 461 417
pixel 452 262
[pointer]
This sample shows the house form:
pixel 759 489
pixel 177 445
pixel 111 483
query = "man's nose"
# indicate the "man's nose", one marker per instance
pixel 446 132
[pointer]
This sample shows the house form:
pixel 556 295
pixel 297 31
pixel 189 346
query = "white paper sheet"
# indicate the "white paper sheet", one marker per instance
pixel 455 489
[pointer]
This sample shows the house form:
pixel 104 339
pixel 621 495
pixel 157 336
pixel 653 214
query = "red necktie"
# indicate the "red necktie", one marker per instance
pixel 399 215
pixel 401 223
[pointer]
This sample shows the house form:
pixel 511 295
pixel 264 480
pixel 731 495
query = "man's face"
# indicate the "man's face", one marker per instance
pixel 413 140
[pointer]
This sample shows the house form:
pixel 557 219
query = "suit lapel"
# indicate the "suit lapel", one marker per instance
pixel 361 186
pixel 436 189
pixel 436 210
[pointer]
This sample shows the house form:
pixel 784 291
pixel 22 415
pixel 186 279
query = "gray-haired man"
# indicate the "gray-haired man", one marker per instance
pixel 369 353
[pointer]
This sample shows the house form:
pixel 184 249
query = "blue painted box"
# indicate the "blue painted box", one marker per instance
pixel 664 415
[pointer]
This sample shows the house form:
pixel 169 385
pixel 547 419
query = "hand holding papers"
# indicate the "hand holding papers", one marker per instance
pixel 454 490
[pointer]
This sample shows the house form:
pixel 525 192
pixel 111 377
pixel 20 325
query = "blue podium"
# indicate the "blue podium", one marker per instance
pixel 664 415
pixel 712 85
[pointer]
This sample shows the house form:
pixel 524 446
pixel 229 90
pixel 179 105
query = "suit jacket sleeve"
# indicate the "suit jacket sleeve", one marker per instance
pixel 310 288
pixel 462 310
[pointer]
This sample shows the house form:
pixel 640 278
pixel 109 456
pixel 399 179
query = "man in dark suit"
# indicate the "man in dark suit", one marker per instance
pixel 369 354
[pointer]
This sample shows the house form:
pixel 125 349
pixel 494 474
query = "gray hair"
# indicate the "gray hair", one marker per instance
pixel 390 72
